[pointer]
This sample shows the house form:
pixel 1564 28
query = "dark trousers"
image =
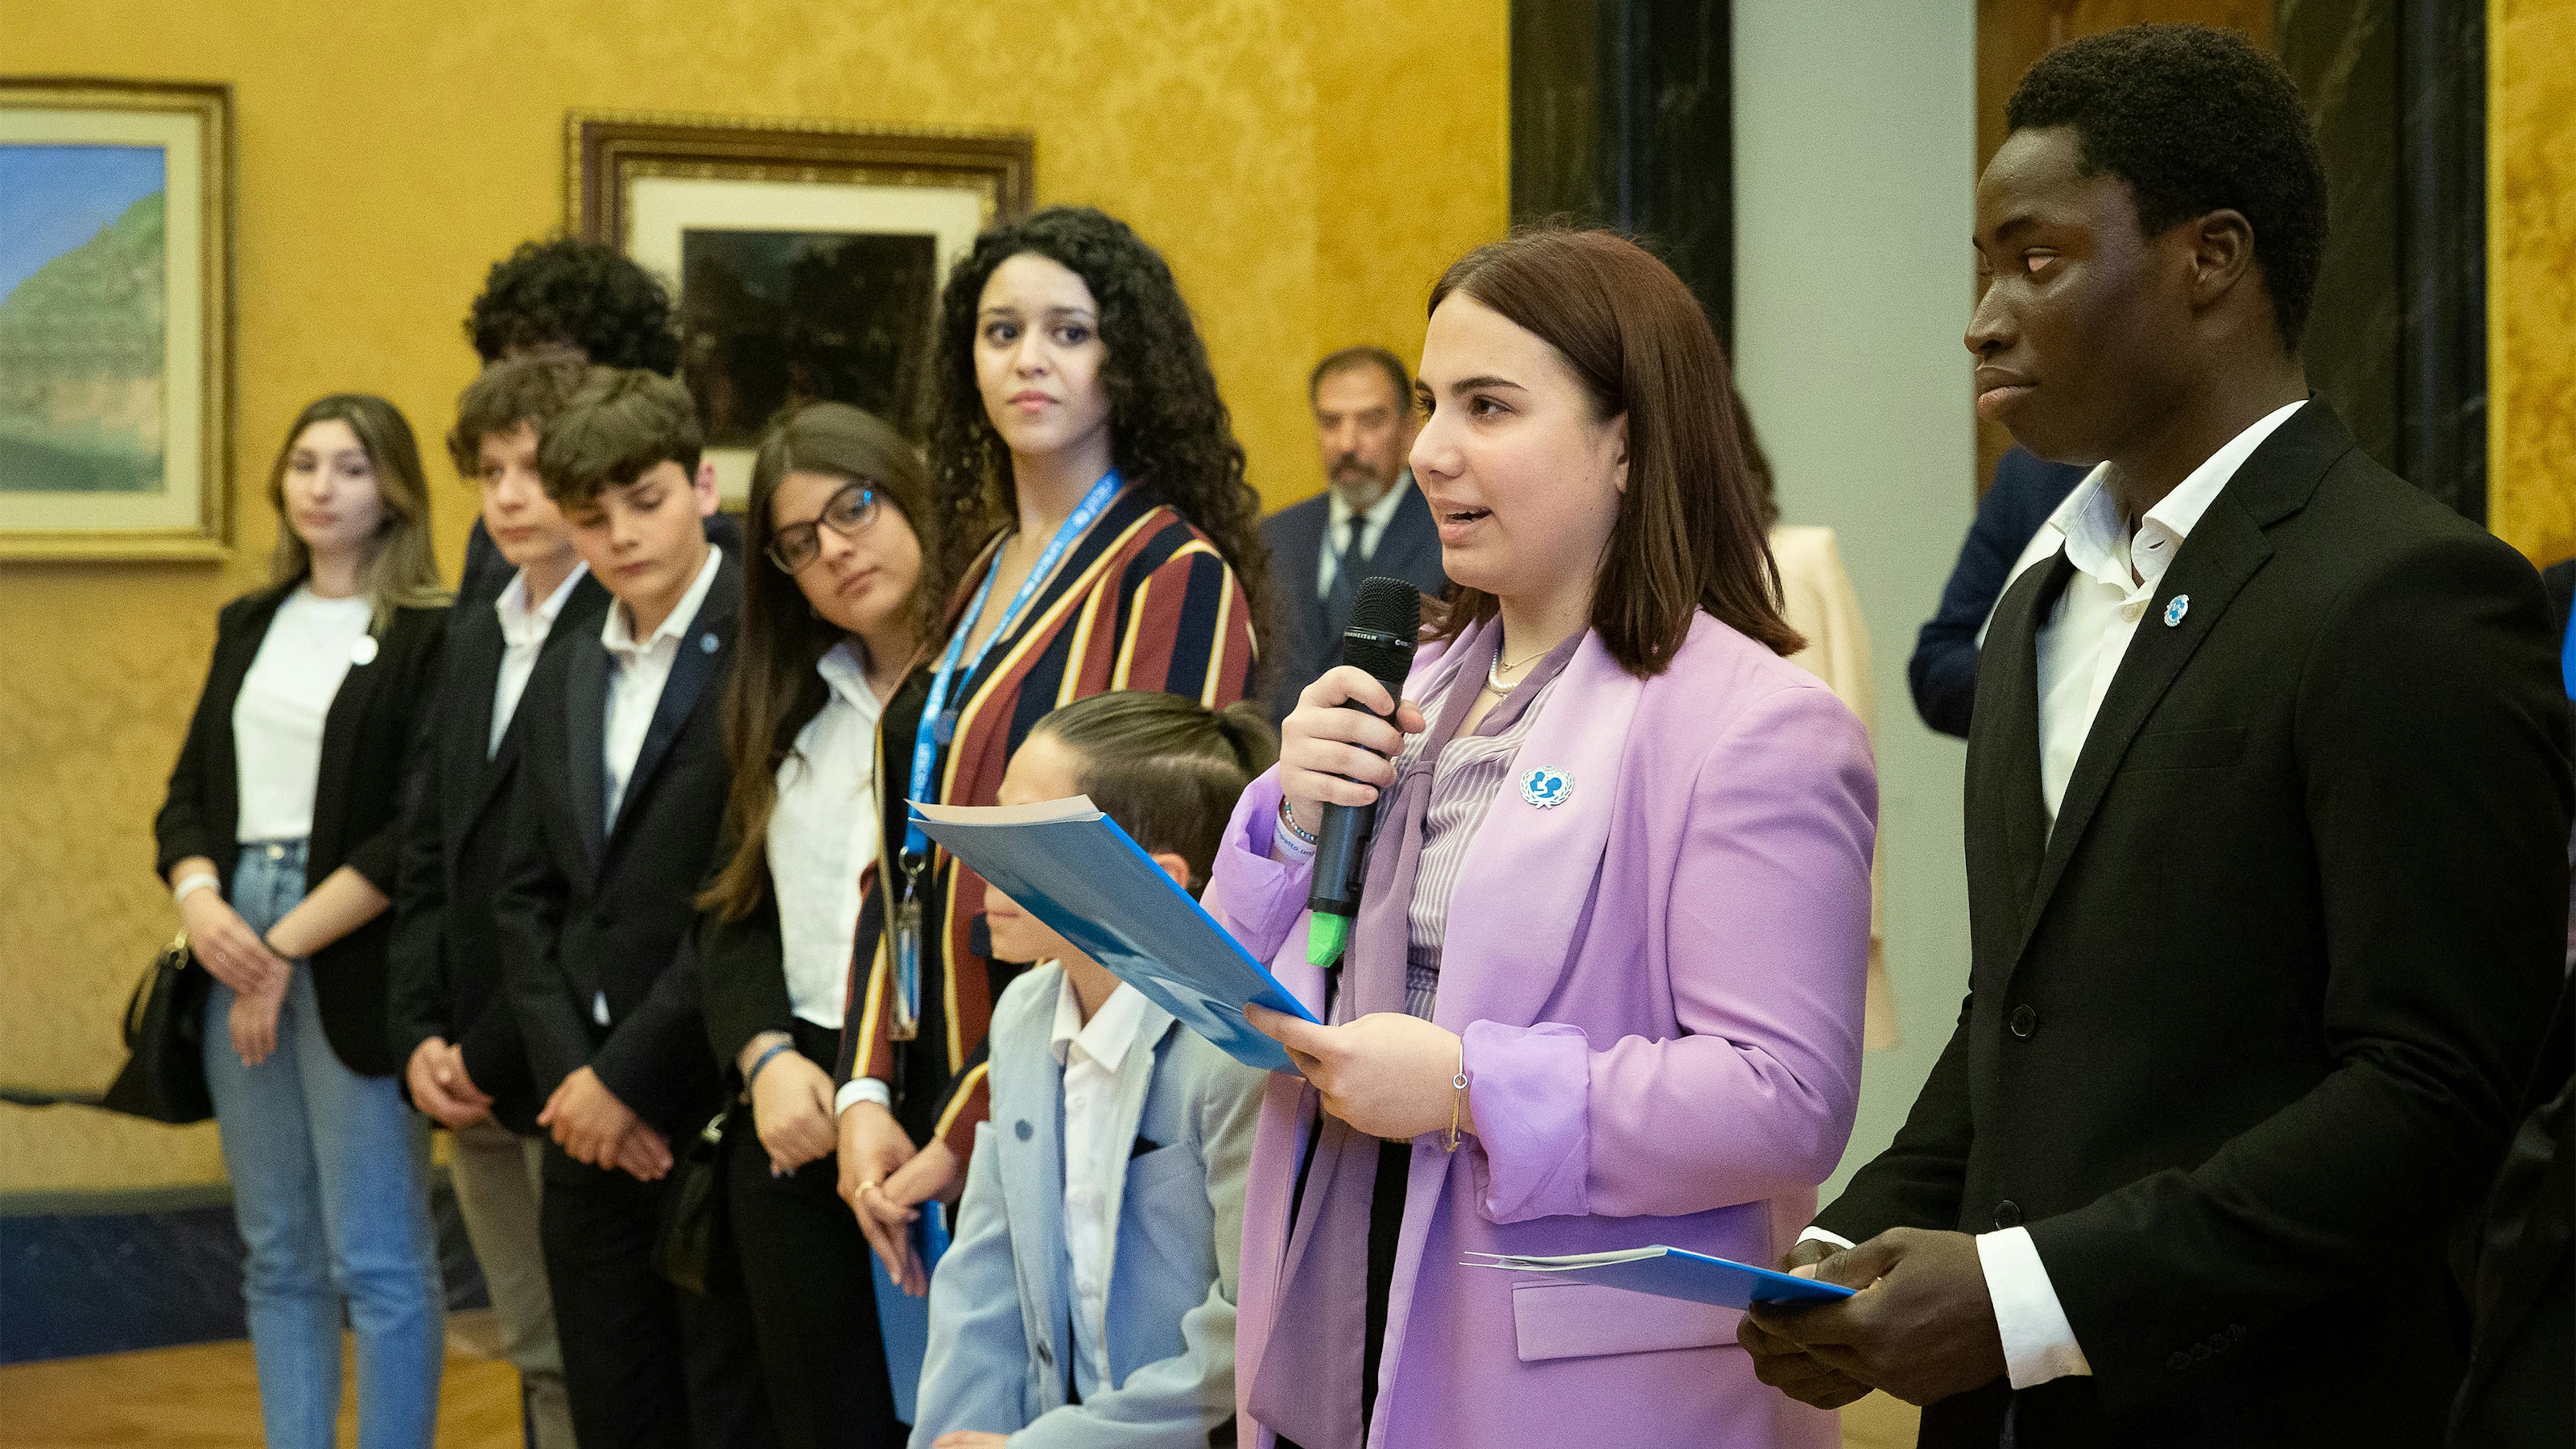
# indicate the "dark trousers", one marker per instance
pixel 805 1269
pixel 646 1366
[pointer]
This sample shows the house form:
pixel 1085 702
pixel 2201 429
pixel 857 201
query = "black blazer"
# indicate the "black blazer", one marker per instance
pixel 1409 550
pixel 2245 1032
pixel 357 799
pixel 2520 1392
pixel 585 910
pixel 445 961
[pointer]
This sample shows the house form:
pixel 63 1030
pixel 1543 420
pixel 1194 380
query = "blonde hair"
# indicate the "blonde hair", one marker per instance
pixel 403 571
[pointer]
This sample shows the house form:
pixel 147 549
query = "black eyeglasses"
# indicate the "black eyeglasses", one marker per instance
pixel 849 514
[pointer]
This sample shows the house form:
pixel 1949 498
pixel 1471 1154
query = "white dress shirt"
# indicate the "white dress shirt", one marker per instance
pixel 284 701
pixel 641 668
pixel 1337 519
pixel 2080 645
pixel 1095 1161
pixel 823 833
pixel 523 638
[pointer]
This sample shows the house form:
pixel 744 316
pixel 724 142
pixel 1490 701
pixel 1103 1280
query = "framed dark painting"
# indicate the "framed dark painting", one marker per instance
pixel 805 256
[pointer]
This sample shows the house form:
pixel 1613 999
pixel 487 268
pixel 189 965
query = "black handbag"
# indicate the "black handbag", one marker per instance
pixel 164 1078
pixel 693 1247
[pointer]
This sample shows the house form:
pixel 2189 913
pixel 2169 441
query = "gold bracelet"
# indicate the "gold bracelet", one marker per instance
pixel 1458 1085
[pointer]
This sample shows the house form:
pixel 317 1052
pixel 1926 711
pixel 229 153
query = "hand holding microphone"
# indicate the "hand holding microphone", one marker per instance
pixel 1346 730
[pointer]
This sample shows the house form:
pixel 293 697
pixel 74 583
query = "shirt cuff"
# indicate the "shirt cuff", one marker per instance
pixel 862 1089
pixel 1819 1235
pixel 2039 1344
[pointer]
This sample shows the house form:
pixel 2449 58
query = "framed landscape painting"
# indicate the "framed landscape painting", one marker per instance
pixel 115 319
pixel 805 256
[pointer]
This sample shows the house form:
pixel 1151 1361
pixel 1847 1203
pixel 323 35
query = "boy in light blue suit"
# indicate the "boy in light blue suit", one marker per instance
pixel 1088 1297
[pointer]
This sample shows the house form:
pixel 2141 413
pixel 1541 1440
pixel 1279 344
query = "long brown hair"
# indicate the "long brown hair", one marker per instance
pixel 1690 533
pixel 774 690
pixel 403 571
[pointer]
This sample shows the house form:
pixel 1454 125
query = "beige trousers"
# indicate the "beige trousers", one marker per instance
pixel 498 1180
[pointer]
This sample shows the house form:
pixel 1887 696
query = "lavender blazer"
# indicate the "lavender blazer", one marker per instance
pixel 1659 982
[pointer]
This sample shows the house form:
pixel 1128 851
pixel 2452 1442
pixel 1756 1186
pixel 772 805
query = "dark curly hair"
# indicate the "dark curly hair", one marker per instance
pixel 2194 120
pixel 568 292
pixel 1169 432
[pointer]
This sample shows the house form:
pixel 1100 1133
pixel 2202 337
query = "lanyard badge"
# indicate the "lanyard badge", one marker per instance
pixel 938 729
pixel 907 960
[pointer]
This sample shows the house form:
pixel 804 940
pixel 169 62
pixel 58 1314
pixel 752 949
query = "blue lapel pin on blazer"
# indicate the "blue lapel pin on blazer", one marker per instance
pixel 707 644
pixel 2174 611
pixel 1547 789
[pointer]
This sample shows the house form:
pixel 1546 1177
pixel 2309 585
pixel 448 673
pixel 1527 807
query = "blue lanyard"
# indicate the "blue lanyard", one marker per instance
pixel 935 729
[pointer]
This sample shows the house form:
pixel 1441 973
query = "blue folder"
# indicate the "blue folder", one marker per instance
pixel 1073 868
pixel 1672 1273
pixel 904 1321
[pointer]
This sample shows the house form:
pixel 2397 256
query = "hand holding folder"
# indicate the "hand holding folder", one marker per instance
pixel 1673 1273
pixel 1073 868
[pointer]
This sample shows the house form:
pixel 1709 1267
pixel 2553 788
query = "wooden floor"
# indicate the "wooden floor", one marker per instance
pixel 206 1396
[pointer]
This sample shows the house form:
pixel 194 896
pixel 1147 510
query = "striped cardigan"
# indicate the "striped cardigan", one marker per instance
pixel 1143 601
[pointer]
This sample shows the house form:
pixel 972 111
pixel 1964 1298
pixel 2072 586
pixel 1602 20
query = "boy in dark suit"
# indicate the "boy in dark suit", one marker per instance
pixel 2266 813
pixel 449 1020
pixel 611 832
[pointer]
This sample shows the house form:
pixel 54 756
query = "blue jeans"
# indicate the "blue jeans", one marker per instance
pixel 330 1176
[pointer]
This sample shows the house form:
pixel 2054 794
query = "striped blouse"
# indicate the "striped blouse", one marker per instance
pixel 1143 601
pixel 1466 777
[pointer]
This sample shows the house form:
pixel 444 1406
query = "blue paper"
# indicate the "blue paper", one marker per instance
pixel 904 1321
pixel 1672 1273
pixel 1073 868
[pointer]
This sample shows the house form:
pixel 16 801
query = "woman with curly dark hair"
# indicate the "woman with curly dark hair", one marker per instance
pixel 1096 534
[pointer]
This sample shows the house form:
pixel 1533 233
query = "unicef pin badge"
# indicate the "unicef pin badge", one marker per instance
pixel 707 644
pixel 2174 611
pixel 363 652
pixel 1547 789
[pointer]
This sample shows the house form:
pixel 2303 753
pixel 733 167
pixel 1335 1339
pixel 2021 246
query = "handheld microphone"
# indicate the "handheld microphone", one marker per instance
pixel 1380 640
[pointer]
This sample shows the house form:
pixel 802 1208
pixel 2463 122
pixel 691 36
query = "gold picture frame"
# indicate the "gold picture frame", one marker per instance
pixel 805 256
pixel 116 346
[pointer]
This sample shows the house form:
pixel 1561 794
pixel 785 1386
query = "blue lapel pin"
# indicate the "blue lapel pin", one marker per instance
pixel 2174 611
pixel 706 643
pixel 1547 789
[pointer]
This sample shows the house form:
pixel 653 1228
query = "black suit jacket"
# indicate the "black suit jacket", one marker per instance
pixel 445 960
pixel 2520 1392
pixel 1408 550
pixel 2245 1031
pixel 357 799
pixel 586 910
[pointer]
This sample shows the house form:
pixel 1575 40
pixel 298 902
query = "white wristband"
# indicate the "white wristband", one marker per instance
pixel 199 882
pixel 862 1089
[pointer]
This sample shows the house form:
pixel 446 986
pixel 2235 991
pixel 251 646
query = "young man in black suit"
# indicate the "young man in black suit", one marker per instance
pixel 612 829
pixel 1369 520
pixel 2266 813
pixel 452 1024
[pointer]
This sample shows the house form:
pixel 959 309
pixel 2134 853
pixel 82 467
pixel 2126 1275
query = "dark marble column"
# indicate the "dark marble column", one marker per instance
pixel 1622 116
pixel 2396 341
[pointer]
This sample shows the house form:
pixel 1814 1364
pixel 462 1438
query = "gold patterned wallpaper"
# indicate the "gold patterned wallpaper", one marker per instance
pixel 1307 167
pixel 2531 276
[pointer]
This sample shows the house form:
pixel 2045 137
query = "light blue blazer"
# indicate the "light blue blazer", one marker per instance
pixel 1001 1302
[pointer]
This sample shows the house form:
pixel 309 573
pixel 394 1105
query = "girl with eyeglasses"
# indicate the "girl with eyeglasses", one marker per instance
pixel 832 616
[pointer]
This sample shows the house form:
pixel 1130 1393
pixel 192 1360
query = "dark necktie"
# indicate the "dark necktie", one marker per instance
pixel 1344 595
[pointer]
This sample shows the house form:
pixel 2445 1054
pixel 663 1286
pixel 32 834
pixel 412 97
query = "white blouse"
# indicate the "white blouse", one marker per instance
pixel 823 833
pixel 278 716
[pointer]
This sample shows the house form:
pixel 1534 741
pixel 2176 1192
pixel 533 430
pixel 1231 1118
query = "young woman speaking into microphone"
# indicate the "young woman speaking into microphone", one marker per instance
pixel 1604 989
